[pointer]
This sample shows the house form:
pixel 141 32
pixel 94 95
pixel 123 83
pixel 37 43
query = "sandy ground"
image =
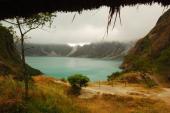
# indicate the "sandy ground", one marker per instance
pixel 141 92
pixel 122 90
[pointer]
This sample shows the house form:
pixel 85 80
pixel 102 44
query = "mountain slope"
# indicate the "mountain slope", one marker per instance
pixel 46 49
pixel 152 53
pixel 10 62
pixel 101 50
pixel 94 50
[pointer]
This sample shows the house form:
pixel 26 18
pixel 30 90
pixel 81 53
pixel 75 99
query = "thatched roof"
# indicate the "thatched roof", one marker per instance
pixel 11 8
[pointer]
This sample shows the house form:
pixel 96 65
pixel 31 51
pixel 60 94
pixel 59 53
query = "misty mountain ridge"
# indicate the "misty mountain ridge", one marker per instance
pixel 93 50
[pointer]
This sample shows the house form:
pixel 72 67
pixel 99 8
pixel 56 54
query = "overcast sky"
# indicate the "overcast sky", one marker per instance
pixel 90 26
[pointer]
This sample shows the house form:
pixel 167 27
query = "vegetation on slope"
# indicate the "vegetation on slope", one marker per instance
pixel 10 62
pixel 133 77
pixel 151 54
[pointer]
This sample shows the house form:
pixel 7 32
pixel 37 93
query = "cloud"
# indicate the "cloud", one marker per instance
pixel 90 26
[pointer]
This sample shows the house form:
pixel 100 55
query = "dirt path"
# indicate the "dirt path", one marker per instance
pixel 118 90
pixel 162 94
pixel 165 95
pixel 155 93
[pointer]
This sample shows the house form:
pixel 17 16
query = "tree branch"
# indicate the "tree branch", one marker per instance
pixel 10 22
pixel 30 29
pixel 18 24
pixel 13 22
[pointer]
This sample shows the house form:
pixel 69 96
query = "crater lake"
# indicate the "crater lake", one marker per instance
pixel 62 67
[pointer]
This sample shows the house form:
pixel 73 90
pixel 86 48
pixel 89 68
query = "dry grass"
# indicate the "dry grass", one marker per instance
pixel 122 104
pixel 46 96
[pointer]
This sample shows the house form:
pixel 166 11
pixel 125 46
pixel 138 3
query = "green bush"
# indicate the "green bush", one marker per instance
pixel 151 84
pixel 113 76
pixel 78 81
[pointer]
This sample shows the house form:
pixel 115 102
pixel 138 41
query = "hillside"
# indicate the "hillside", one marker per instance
pixel 10 62
pixel 102 50
pixel 46 49
pixel 152 53
pixel 94 50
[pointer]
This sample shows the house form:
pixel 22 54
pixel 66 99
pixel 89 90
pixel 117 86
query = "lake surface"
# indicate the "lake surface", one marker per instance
pixel 62 67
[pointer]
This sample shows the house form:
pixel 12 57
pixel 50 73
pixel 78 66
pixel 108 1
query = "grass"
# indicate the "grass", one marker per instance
pixel 135 77
pixel 122 104
pixel 46 96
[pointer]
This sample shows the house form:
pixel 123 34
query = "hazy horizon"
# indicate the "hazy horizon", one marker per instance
pixel 81 44
pixel 90 26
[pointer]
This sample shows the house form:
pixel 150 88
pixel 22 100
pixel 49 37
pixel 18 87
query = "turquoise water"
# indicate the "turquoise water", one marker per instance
pixel 62 67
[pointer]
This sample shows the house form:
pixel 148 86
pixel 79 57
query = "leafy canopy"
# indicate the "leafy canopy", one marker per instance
pixel 78 80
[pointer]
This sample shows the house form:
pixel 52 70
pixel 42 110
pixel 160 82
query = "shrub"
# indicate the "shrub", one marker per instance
pixel 78 81
pixel 151 83
pixel 113 76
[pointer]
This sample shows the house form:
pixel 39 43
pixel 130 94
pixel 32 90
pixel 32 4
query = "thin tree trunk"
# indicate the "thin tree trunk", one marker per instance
pixel 23 59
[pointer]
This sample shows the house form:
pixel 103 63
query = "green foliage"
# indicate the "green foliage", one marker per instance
pixel 150 83
pixel 141 64
pixel 25 25
pixel 145 45
pixel 31 71
pixel 9 56
pixel 40 19
pixel 163 61
pixel 7 47
pixel 113 76
pixel 158 63
pixel 78 80
pixel 140 60
pixel 138 63
pixel 32 22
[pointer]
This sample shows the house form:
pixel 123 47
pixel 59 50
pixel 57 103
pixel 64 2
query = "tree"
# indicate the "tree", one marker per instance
pixel 78 81
pixel 25 25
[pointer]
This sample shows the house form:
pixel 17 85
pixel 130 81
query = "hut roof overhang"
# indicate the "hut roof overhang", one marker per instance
pixel 25 8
